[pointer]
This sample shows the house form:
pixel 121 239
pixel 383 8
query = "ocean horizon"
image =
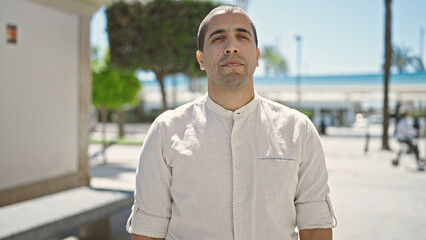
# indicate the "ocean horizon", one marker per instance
pixel 411 79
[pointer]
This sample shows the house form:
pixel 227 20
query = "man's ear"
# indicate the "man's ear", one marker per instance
pixel 258 56
pixel 200 59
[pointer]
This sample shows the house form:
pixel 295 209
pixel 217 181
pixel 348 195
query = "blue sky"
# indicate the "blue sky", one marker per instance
pixel 338 36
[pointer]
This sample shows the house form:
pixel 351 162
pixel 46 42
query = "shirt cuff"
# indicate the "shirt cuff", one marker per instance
pixel 142 223
pixel 315 215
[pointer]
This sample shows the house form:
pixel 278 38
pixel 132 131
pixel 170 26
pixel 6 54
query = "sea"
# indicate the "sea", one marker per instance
pixel 409 79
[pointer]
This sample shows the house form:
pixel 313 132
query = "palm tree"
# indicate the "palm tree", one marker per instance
pixel 418 65
pixel 401 59
pixel 388 59
pixel 242 3
pixel 274 62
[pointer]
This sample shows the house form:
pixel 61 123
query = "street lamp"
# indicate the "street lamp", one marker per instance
pixel 298 74
pixel 422 32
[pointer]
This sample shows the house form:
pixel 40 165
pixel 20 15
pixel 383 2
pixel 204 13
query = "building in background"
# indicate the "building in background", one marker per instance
pixel 45 96
pixel 334 100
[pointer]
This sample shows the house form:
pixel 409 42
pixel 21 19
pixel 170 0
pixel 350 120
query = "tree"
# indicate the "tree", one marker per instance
pixel 401 59
pixel 387 65
pixel 159 36
pixel 274 62
pixel 113 89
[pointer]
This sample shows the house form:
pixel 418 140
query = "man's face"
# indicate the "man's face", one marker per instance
pixel 230 55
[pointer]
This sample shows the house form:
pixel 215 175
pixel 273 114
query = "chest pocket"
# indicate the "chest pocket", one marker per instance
pixel 276 175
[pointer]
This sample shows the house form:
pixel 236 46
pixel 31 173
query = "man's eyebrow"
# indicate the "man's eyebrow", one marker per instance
pixel 217 32
pixel 243 30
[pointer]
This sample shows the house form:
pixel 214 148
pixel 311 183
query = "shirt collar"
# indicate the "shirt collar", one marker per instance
pixel 240 112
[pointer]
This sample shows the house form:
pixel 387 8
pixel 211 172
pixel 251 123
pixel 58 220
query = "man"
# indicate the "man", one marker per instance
pixel 404 133
pixel 231 165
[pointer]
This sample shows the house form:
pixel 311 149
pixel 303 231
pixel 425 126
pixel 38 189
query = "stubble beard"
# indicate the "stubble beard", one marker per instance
pixel 232 81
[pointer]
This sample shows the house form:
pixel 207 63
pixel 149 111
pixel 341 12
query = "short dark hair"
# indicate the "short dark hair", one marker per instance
pixel 226 8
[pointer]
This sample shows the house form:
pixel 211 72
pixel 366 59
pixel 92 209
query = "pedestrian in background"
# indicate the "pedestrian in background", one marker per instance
pixel 405 133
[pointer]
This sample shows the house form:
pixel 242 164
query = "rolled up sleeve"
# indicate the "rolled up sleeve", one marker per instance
pixel 152 208
pixel 313 205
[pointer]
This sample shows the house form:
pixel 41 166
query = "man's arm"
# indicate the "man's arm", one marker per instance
pixel 139 237
pixel 151 210
pixel 313 206
pixel 316 234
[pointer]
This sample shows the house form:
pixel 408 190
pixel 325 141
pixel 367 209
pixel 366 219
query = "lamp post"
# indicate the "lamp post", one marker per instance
pixel 298 74
pixel 422 32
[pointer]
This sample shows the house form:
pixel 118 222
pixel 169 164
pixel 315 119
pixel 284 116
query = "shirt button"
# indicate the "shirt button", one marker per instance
pixel 238 205
pixel 234 135
pixel 237 167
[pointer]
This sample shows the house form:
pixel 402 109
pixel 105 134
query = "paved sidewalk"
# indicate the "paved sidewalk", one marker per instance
pixel 372 199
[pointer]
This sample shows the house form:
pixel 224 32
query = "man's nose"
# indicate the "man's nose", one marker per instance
pixel 231 48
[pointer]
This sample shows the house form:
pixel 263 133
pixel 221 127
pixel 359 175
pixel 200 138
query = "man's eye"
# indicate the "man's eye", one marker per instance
pixel 217 38
pixel 243 37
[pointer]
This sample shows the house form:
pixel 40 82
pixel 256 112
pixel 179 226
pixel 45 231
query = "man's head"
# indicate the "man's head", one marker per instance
pixel 220 10
pixel 229 52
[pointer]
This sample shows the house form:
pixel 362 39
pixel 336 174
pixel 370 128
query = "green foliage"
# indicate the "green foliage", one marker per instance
pixel 418 113
pixel 120 141
pixel 113 88
pixel 308 112
pixel 401 59
pixel 160 36
pixel 274 62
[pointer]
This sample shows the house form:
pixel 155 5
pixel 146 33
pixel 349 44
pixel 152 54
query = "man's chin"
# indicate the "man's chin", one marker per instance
pixel 233 75
pixel 235 82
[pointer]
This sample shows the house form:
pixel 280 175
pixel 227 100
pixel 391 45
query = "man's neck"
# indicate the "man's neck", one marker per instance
pixel 231 99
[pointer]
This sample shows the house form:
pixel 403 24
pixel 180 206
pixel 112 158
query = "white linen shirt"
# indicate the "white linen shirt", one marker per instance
pixel 209 173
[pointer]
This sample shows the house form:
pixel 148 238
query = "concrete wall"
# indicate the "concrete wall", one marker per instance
pixel 45 90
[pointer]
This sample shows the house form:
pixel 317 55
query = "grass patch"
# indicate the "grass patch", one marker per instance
pixel 121 141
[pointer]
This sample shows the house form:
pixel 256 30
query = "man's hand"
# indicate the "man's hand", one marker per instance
pixel 139 237
pixel 316 234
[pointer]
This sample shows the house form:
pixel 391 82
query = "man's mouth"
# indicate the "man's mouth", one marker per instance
pixel 232 63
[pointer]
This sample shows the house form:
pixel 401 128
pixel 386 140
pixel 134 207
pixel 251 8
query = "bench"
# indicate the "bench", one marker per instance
pixel 42 218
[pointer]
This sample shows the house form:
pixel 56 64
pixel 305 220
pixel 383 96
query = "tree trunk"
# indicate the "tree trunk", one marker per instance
pixel 388 58
pixel 120 114
pixel 160 79
pixel 104 116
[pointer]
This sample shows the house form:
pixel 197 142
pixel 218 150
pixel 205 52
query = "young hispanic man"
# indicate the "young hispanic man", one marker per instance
pixel 231 164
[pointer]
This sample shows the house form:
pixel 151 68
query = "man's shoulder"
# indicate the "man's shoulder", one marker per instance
pixel 181 114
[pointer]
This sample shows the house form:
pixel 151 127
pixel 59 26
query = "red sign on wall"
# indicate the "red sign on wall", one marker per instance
pixel 12 34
